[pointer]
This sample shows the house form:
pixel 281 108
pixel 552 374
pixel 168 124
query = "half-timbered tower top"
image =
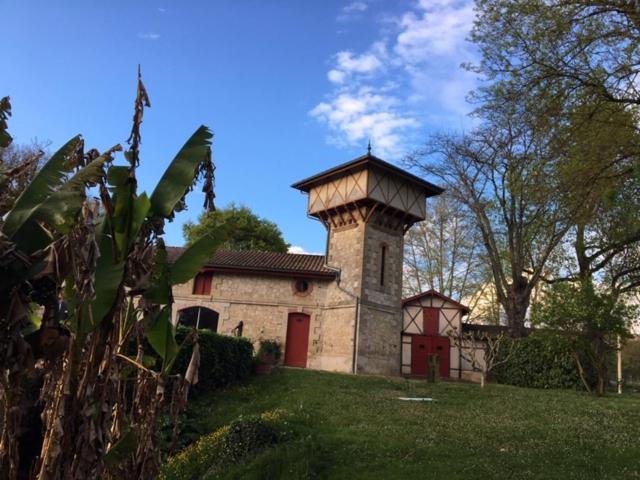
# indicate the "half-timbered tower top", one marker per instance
pixel 366 187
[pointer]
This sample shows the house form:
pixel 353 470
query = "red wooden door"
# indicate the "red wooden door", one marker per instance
pixel 422 346
pixel 297 345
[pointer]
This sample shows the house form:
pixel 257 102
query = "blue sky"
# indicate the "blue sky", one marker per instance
pixel 289 88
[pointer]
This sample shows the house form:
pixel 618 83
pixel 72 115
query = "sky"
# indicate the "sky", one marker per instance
pixel 289 88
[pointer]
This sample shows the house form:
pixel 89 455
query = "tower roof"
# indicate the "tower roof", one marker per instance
pixel 361 163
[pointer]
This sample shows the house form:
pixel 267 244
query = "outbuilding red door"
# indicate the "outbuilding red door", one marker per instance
pixel 295 354
pixel 422 346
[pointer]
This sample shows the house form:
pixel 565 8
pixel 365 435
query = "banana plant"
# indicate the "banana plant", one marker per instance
pixel 108 262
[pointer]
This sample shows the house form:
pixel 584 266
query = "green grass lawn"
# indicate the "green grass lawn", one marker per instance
pixel 348 427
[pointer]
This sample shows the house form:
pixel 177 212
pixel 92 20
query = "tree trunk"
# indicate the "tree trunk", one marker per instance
pixel 517 303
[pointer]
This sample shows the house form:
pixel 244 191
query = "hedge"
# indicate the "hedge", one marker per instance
pixel 541 360
pixel 229 445
pixel 223 359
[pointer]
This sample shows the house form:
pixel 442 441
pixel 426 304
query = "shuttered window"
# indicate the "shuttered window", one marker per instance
pixel 431 317
pixel 202 283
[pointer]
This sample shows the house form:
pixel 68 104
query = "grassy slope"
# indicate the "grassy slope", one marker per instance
pixel 355 427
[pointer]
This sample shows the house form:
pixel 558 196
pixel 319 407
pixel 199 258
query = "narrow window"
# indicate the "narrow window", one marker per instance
pixel 383 254
pixel 202 283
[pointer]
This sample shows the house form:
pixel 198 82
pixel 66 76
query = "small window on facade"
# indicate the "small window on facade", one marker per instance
pixel 202 283
pixel 383 255
pixel 302 286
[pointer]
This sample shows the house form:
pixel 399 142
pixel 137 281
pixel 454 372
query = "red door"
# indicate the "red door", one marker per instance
pixel 422 346
pixel 295 354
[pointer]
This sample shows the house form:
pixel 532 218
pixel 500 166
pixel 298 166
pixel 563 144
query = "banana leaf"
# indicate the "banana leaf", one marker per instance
pixel 51 176
pixel 161 336
pixel 195 257
pixel 61 209
pixel 181 173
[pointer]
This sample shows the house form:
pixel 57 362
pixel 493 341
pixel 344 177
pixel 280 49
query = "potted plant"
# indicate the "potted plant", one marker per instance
pixel 268 355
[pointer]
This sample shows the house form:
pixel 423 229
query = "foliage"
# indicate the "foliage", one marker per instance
pixel 107 265
pixel 223 359
pixel 269 351
pixel 228 445
pixel 591 321
pixel 571 65
pixel 542 360
pixel 587 47
pixel 350 426
pixel 244 230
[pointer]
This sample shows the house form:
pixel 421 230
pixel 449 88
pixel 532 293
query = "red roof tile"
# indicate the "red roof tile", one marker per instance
pixel 265 263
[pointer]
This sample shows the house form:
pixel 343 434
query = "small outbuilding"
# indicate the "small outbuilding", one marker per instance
pixel 428 321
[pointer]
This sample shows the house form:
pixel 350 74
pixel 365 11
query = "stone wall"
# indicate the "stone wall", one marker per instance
pixel 264 303
pixel 380 312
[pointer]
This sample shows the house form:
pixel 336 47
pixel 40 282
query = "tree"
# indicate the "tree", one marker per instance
pixel 106 360
pixel 577 63
pixel 599 184
pixel 592 320
pixel 589 47
pixel 444 252
pixel 18 164
pixel 503 173
pixel 244 230
pixel 483 351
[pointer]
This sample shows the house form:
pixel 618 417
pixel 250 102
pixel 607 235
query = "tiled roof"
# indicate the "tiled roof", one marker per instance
pixel 266 263
pixel 363 162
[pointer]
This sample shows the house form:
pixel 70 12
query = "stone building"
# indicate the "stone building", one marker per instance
pixel 341 311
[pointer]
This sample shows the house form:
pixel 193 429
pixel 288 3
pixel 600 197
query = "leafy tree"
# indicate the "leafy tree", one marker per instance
pixel 588 47
pixel 244 230
pixel 592 320
pixel 576 64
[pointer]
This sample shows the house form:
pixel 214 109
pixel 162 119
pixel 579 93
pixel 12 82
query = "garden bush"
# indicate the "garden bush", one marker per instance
pixel 225 447
pixel 541 360
pixel 223 359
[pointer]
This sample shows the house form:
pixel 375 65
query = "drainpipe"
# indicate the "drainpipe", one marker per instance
pixel 356 326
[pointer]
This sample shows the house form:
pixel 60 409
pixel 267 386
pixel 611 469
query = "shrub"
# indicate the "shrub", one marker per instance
pixel 223 360
pixel 269 352
pixel 224 447
pixel 541 360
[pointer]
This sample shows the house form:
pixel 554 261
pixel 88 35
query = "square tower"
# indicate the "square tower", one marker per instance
pixel 367 205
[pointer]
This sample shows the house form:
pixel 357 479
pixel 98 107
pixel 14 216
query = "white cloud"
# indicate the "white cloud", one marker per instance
pixel 365 63
pixel 336 76
pixel 352 11
pixel 149 35
pixel 355 7
pixel 300 251
pixel 413 66
pixel 439 28
pixel 356 117
pixel 162 10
